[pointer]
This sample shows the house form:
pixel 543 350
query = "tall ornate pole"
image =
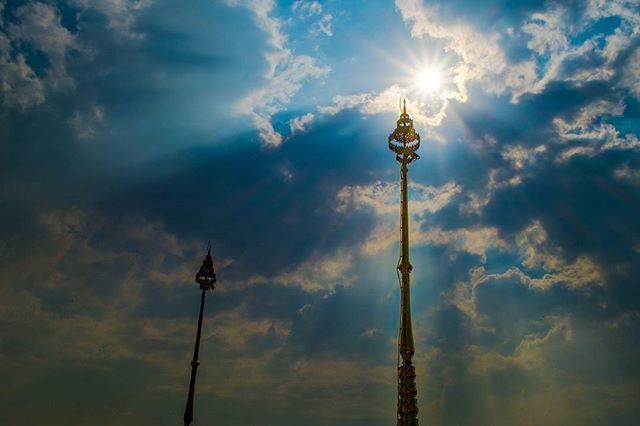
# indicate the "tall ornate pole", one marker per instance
pixel 206 277
pixel 404 142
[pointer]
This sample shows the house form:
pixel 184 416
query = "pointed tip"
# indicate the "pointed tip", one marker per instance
pixel 209 248
pixel 404 106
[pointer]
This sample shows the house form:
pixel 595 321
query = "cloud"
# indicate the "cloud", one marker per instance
pixel 309 9
pixel 319 274
pixel 85 122
pixel 37 26
pixel 589 126
pixel 473 240
pixel 482 59
pixel 387 101
pixel 536 254
pixel 628 174
pixel 500 178
pixel 631 74
pixel 479 54
pixel 323 26
pixel 300 124
pixel 20 85
pixel 285 75
pixel 120 14
pixel 519 156
pixel 382 199
pixel 306 9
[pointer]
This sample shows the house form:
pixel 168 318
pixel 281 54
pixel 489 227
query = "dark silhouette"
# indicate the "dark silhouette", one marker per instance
pixel 206 277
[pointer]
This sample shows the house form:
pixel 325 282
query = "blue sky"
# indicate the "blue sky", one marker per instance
pixel 131 132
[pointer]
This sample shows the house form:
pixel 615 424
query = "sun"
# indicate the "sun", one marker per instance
pixel 428 80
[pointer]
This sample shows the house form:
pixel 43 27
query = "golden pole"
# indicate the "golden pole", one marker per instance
pixel 404 141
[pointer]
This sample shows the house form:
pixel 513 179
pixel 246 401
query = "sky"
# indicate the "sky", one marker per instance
pixel 134 131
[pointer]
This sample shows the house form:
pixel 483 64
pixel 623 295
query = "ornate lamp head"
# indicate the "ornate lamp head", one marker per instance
pixel 206 276
pixel 404 140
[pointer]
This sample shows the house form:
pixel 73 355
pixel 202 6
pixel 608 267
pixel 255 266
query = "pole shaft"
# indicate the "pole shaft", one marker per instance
pixel 407 392
pixel 188 410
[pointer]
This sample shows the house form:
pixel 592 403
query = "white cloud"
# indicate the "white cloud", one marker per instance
pixel 300 124
pixel 548 32
pixel 583 125
pixel 536 253
pixel 482 59
pixel 479 55
pixel 588 126
pixel 285 75
pixel 473 240
pixel 520 156
pixel 498 178
pixel 323 26
pixel 306 9
pixel 388 101
pixel 383 200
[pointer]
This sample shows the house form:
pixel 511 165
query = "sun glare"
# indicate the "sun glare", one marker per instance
pixel 428 80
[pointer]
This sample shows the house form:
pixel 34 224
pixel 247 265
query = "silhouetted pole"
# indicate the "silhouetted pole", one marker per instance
pixel 206 277
pixel 404 142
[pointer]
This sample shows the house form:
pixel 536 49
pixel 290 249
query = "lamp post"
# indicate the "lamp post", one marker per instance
pixel 404 142
pixel 206 278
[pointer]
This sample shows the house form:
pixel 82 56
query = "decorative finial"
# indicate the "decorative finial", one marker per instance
pixel 404 140
pixel 206 276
